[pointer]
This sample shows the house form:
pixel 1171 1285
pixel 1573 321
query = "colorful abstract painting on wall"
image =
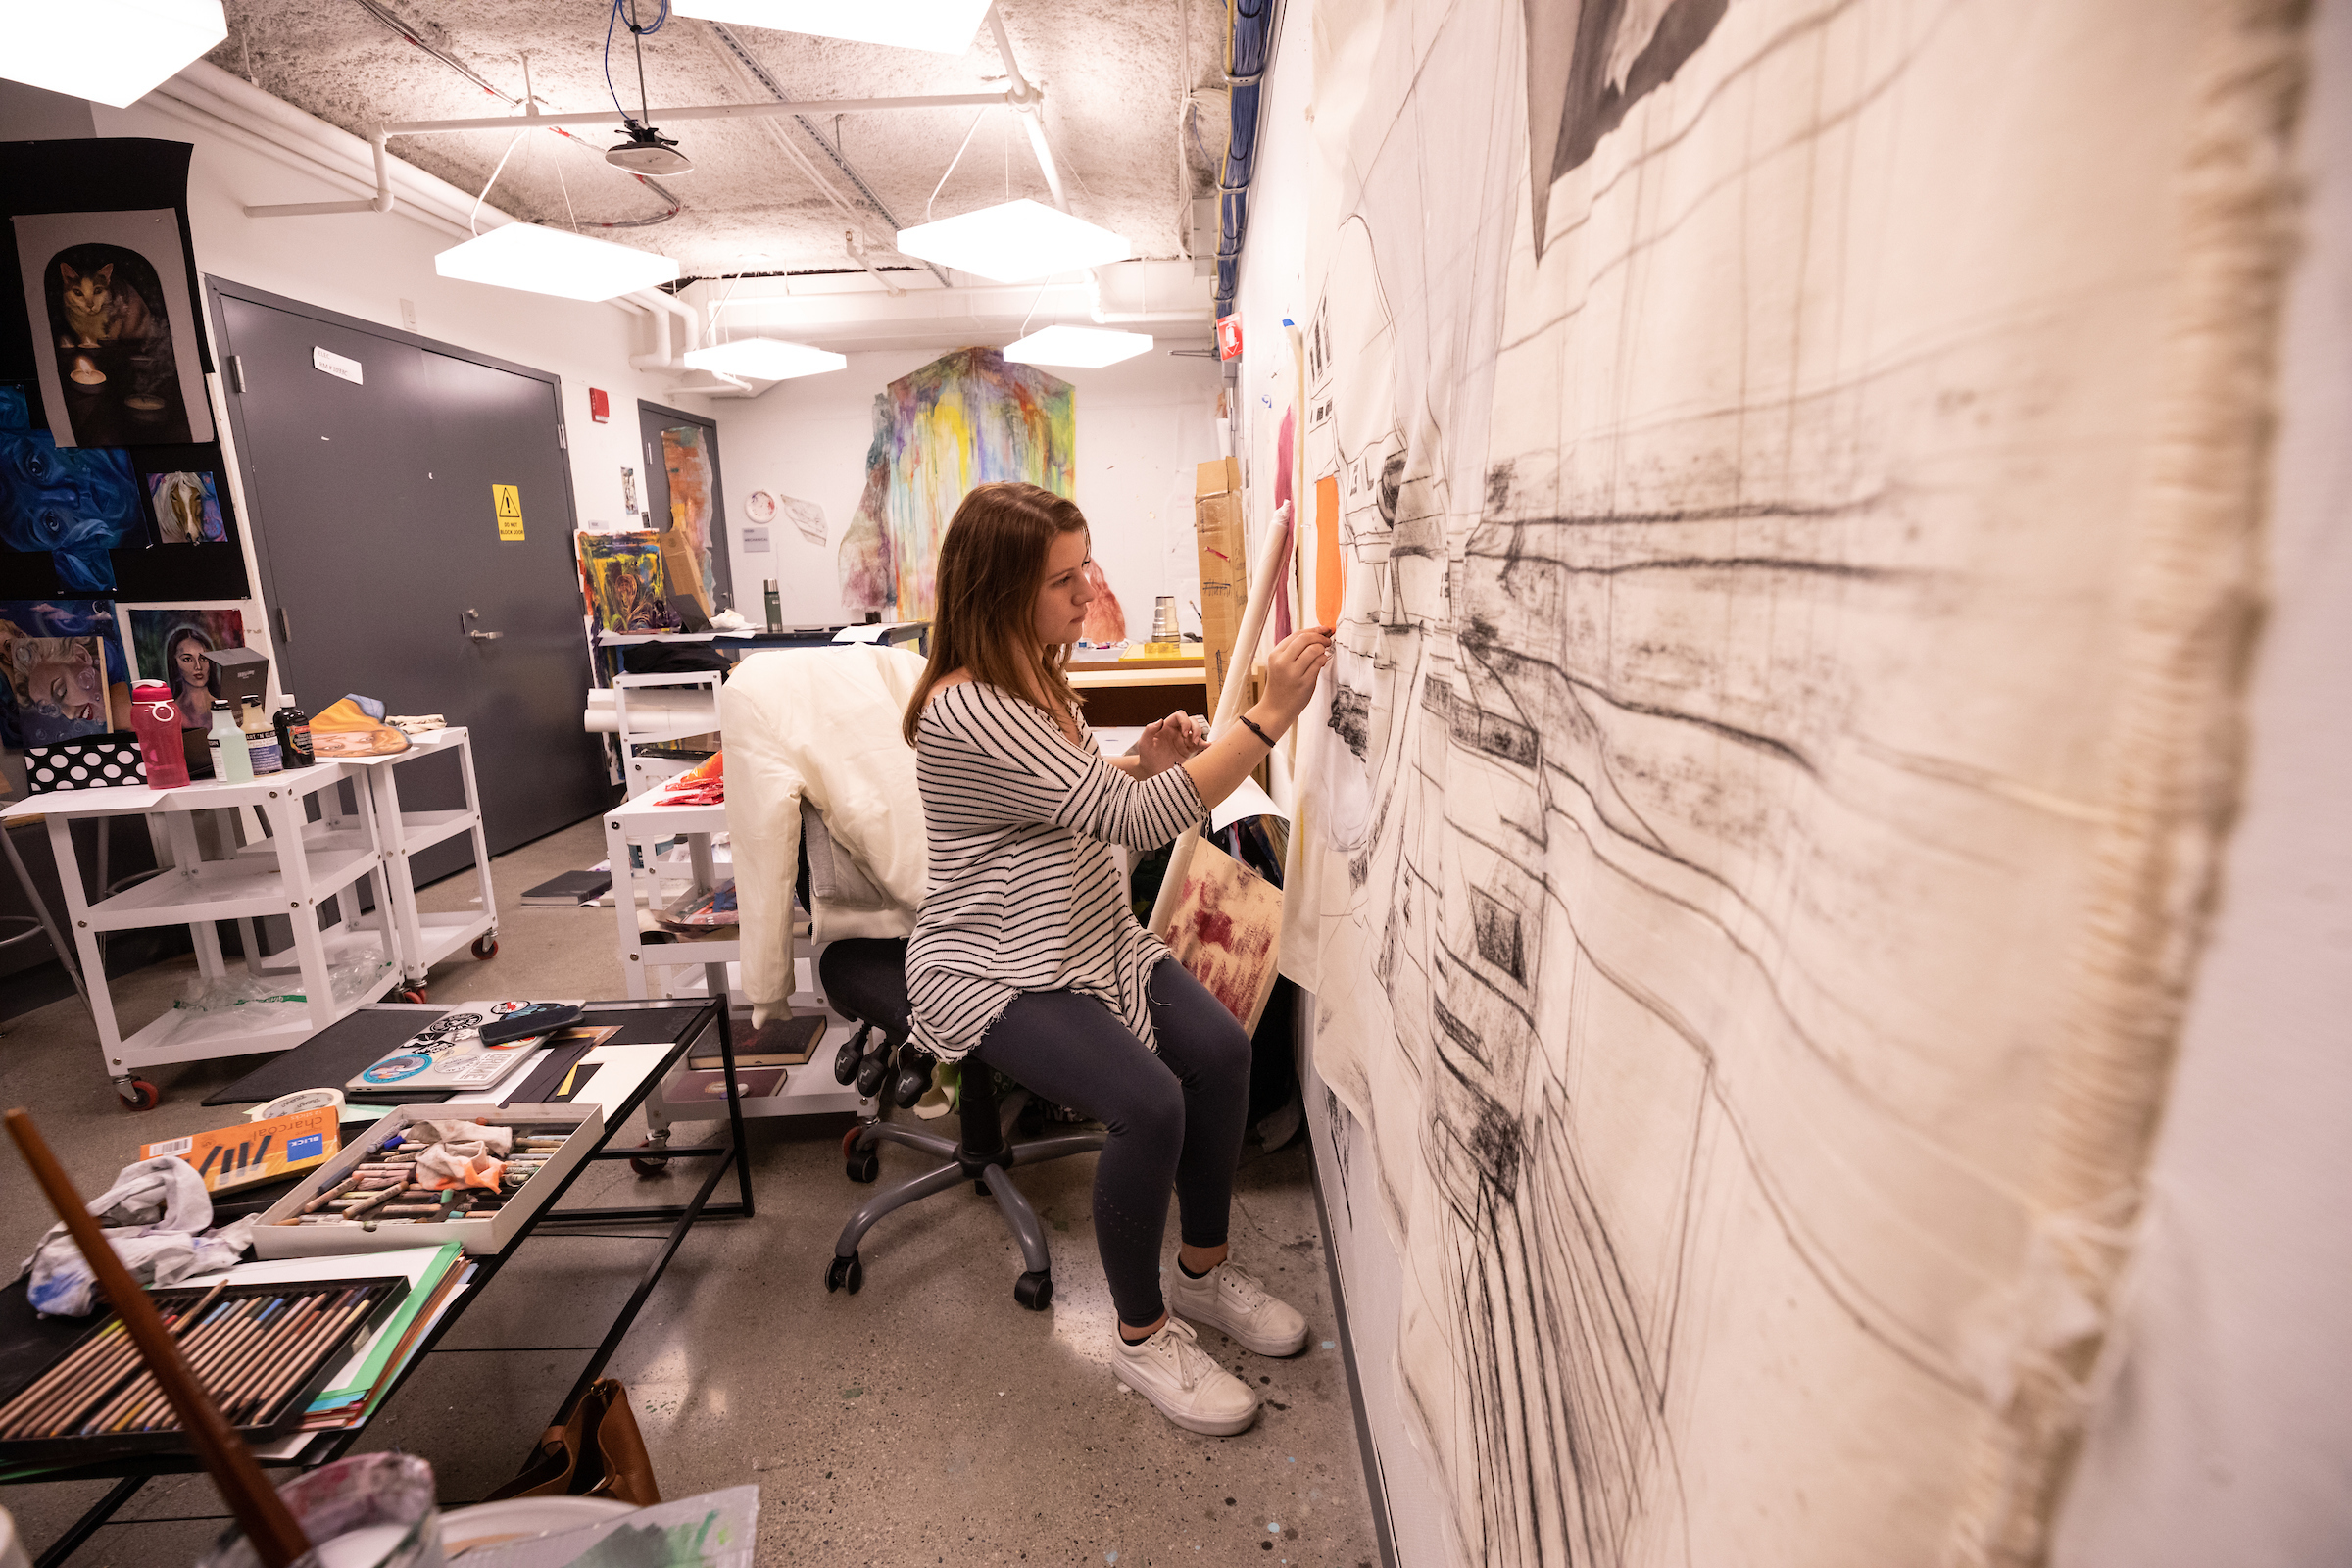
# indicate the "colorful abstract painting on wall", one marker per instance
pixel 966 418
pixel 686 457
pixel 625 583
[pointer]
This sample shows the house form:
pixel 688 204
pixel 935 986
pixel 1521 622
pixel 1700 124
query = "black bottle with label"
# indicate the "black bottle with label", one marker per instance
pixel 293 728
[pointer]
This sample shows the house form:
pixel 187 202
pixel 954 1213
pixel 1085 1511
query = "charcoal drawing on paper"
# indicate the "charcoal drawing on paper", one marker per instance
pixel 1739 849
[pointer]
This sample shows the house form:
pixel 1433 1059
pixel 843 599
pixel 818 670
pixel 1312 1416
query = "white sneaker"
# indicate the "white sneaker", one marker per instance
pixel 1231 1299
pixel 1173 1372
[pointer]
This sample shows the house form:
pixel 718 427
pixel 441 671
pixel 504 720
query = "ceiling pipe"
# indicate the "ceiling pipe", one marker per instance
pixel 232 108
pixel 382 202
pixel 1248 50
pixel 664 358
pixel 857 250
pixel 605 116
pixel 671 349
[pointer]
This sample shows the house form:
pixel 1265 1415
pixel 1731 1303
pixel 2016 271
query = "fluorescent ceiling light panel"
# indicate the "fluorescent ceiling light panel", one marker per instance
pixel 765 358
pixel 554 261
pixel 1013 242
pixel 108 51
pixel 943 26
pixel 1086 347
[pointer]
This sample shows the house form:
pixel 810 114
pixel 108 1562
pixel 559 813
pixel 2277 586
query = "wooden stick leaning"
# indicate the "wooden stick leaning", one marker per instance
pixel 144 1392
pixel 1264 582
pixel 267 1523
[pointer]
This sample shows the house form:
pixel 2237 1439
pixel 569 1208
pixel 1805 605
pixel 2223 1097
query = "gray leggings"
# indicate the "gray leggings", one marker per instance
pixel 1174 1117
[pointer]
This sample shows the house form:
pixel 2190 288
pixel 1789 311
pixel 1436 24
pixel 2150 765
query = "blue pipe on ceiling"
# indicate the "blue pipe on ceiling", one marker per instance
pixel 1248 44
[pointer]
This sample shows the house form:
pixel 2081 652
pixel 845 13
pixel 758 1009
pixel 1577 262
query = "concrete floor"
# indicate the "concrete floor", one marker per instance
pixel 927 1419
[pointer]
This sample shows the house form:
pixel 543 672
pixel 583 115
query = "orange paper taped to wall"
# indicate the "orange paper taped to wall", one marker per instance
pixel 1328 569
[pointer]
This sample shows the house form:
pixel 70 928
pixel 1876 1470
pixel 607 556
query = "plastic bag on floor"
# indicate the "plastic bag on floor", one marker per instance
pixel 153 1216
pixel 243 1002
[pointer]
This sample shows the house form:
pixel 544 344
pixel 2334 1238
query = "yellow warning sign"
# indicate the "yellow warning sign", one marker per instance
pixel 506 500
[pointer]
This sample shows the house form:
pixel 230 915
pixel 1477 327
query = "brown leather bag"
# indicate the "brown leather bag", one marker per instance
pixel 595 1451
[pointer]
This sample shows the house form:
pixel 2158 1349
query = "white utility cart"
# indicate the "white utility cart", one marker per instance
pixel 425 939
pixel 291 871
pixel 707 965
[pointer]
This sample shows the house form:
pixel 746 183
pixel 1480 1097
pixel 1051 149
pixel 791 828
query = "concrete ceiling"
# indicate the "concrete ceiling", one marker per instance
pixel 1114 78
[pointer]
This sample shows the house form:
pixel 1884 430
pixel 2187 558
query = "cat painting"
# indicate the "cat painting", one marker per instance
pixel 96 314
pixel 112 323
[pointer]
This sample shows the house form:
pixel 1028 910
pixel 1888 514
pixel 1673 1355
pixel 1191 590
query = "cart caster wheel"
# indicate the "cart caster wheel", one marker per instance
pixel 485 947
pixel 864 1167
pixel 1035 1291
pixel 414 995
pixel 845 1274
pixel 648 1167
pixel 138 1094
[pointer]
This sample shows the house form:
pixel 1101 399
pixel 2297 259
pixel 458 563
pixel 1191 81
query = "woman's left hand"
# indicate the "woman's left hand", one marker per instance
pixel 1172 741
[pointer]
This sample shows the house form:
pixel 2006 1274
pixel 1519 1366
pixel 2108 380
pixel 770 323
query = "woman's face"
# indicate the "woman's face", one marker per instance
pixel 191 661
pixel 1066 592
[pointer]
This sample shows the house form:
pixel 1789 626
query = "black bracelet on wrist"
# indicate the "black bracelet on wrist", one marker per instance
pixel 1254 730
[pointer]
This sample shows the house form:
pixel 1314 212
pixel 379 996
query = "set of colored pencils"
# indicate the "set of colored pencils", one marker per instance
pixel 249 1351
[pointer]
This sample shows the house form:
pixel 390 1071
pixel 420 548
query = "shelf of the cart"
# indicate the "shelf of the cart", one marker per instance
pixel 690 954
pixel 318 839
pixel 344 944
pixel 421 830
pixel 225 889
pixel 154 1047
pixel 443 934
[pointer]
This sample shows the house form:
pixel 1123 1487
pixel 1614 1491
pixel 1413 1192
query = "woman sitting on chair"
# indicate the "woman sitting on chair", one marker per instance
pixel 1026 954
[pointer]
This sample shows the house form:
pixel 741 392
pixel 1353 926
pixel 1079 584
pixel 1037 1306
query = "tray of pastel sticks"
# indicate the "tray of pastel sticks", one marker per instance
pixel 264 1350
pixel 389 1187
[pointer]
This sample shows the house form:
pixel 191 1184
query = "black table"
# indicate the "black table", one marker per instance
pixel 338 1053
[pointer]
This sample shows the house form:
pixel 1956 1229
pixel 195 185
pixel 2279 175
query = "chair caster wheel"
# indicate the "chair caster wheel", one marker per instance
pixel 1035 1291
pixel 848 1274
pixel 864 1167
pixel 413 995
pixel 138 1094
pixel 980 1189
pixel 485 947
pixel 648 1167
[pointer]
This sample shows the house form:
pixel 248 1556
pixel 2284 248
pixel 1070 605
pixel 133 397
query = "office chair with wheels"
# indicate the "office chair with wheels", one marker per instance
pixel 865 981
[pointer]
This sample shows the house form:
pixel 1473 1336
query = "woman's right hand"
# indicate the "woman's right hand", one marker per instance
pixel 1293 669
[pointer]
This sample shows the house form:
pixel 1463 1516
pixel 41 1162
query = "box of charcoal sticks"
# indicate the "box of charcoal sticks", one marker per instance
pixel 306 1222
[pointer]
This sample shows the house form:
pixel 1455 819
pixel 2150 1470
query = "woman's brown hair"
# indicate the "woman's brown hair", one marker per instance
pixel 990 563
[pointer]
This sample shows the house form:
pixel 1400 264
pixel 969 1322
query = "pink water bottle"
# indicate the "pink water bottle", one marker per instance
pixel 156 719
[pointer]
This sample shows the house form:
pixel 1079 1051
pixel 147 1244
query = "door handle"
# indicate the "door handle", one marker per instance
pixel 485 636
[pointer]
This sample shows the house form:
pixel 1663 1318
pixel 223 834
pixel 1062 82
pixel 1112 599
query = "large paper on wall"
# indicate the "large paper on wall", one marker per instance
pixel 1797 466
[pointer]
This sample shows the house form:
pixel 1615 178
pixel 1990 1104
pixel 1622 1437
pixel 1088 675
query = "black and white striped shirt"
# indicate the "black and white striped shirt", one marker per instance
pixel 1025 893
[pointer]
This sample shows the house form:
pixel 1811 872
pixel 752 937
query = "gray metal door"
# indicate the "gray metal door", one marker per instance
pixel 386 567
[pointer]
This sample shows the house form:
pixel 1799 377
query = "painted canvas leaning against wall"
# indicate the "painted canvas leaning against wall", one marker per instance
pixel 966 418
pixel 1794 468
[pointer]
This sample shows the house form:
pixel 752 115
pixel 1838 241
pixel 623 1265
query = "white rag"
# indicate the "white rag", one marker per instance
pixel 156 1217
